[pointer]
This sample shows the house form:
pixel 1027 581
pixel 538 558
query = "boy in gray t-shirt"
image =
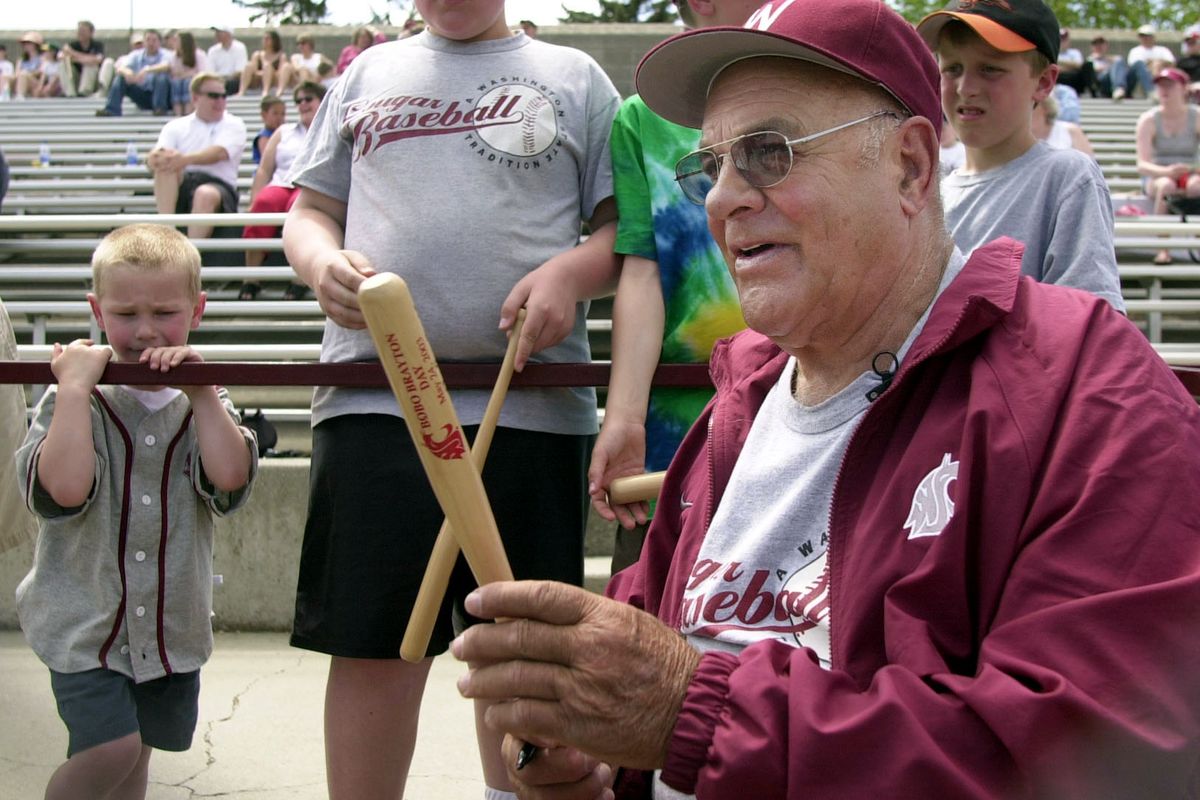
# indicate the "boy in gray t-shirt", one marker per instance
pixel 463 159
pixel 997 62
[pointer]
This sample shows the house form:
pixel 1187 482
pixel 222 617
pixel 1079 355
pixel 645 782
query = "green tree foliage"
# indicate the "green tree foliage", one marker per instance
pixel 1105 14
pixel 286 12
pixel 625 11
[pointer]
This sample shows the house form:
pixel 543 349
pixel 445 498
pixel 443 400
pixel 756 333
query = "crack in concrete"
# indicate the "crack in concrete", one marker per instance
pixel 210 727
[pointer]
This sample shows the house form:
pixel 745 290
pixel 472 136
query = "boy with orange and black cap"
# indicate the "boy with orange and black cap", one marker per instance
pixel 997 62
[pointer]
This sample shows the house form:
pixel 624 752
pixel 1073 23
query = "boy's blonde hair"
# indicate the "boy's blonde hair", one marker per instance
pixel 147 248
pixel 961 33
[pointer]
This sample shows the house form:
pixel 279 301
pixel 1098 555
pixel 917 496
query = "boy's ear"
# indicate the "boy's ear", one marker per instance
pixel 198 310
pixel 94 302
pixel 1046 81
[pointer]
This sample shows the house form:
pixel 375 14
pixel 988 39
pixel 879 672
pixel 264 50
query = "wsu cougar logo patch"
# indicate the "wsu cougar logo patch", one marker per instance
pixel 932 507
pixel 450 448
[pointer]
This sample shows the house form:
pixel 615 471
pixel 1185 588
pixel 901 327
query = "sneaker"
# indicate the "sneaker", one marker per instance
pixel 1119 95
pixel 104 112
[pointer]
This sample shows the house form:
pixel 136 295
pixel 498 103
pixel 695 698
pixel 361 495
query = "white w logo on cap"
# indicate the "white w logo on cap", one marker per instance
pixel 765 17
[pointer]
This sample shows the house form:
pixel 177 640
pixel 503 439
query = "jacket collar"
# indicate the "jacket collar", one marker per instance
pixel 983 293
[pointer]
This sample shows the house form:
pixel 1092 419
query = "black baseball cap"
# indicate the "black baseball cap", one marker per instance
pixel 1011 26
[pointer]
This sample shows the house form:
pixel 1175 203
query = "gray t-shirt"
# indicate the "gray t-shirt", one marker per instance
pixel 464 166
pixel 1056 202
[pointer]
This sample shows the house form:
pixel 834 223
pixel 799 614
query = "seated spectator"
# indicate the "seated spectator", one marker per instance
pixel 227 58
pixel 109 67
pixel 272 191
pixel 529 28
pixel 1073 69
pixel 7 74
pixel 328 73
pixel 145 79
pixel 29 68
pixel 3 177
pixel 263 68
pixel 302 67
pixel 1189 62
pixel 1069 109
pixel 1167 140
pixel 1055 132
pixel 1145 60
pixel 51 73
pixel 189 61
pixel 274 113
pixel 363 38
pixel 1102 64
pixel 81 60
pixel 196 157
pixel 412 26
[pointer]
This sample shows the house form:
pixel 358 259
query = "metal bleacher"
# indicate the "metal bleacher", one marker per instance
pixel 54 215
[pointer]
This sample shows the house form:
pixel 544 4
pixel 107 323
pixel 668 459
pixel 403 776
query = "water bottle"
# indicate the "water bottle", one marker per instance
pixel 131 154
pixel 44 155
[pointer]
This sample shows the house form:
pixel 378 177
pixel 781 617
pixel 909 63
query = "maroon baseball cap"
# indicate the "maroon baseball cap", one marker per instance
pixel 863 38
pixel 1171 74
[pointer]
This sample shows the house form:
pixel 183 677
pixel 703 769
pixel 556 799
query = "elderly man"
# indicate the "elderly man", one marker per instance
pixel 81 60
pixel 145 78
pixel 195 161
pixel 936 534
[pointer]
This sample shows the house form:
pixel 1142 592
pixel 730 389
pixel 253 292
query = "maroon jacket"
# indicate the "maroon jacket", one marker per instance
pixel 1045 644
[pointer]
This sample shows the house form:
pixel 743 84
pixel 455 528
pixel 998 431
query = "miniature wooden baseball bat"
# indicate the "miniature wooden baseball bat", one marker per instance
pixel 635 488
pixel 445 549
pixel 413 374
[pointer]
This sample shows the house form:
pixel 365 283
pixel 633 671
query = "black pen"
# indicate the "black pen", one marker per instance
pixel 528 751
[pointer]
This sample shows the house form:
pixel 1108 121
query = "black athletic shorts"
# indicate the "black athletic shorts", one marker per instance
pixel 193 181
pixel 373 519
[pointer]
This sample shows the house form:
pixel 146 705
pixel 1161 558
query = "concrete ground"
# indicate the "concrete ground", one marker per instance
pixel 259 735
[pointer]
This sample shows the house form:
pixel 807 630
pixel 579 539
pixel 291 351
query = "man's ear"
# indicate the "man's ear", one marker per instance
pixel 918 150
pixel 94 302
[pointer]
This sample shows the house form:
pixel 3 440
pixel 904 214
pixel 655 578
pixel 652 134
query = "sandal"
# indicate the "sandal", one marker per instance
pixel 249 291
pixel 295 291
pixel 1162 259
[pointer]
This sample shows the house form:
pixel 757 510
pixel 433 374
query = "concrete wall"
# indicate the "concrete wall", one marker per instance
pixel 617 48
pixel 256 552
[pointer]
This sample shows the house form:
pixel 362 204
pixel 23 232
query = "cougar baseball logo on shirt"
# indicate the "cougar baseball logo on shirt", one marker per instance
pixel 517 118
pixel 932 507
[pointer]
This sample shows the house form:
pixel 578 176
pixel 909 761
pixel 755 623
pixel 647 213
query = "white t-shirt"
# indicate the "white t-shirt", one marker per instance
pixel 1155 53
pixel 6 67
pixel 310 63
pixel 291 142
pixel 1070 55
pixel 190 134
pixel 227 62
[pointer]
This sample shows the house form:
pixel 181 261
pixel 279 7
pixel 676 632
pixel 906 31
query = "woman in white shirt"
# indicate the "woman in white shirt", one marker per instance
pixel 272 190
pixel 1055 132
pixel 302 66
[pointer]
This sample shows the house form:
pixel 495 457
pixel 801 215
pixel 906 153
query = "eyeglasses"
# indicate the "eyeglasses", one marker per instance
pixel 763 158
pixel 302 100
pixel 214 95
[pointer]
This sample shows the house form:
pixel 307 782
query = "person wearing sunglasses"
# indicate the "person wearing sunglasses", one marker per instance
pixel 272 191
pixel 196 157
pixel 922 543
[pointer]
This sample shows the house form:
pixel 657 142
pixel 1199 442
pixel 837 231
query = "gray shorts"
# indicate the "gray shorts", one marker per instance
pixel 101 706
